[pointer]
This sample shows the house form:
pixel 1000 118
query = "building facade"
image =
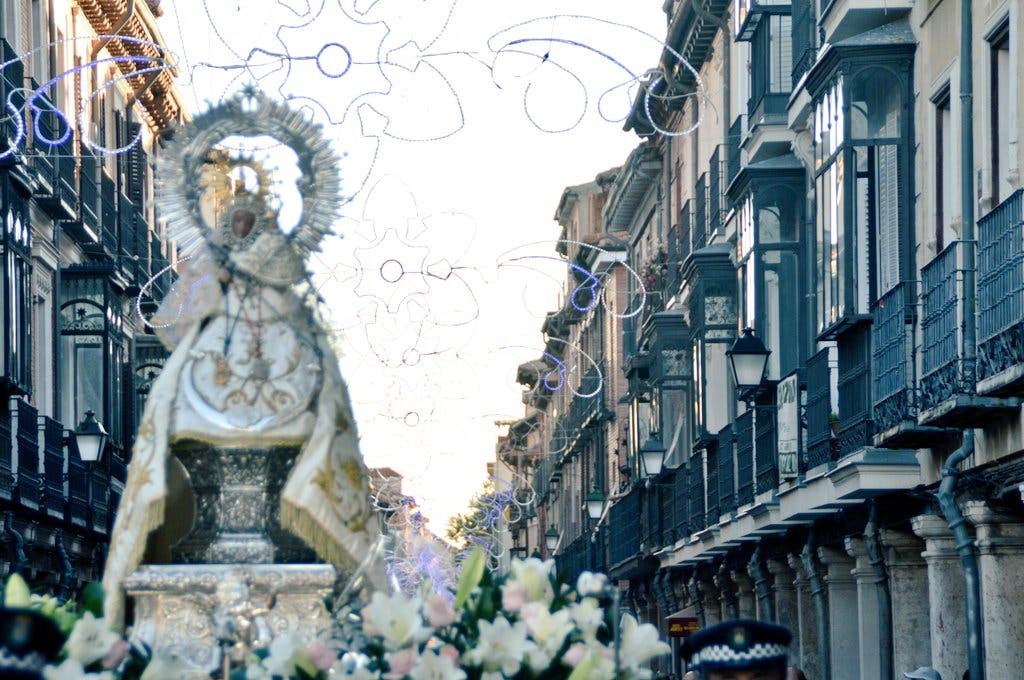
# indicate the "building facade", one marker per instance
pixel 837 177
pixel 84 258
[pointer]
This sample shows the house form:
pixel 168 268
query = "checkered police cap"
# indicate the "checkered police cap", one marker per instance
pixel 740 644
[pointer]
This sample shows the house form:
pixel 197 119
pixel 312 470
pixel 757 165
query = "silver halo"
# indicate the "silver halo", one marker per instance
pixel 248 113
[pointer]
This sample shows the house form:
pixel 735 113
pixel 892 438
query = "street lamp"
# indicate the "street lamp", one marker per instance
pixel 595 503
pixel 551 538
pixel 91 438
pixel 652 455
pixel 748 359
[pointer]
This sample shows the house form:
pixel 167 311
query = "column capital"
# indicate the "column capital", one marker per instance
pixel 997 533
pixel 904 549
pixel 938 539
pixel 838 565
pixel 782 574
pixel 797 566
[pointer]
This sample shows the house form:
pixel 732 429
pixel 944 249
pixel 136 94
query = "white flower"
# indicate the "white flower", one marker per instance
pixel 588 617
pixel 432 666
pixel 256 671
pixel 598 663
pixel 501 646
pixel 590 583
pixel 73 670
pixel 535 576
pixel 639 643
pixel 90 640
pixel 164 666
pixel 537 658
pixel 547 630
pixel 397 619
pixel 353 666
pixel 284 653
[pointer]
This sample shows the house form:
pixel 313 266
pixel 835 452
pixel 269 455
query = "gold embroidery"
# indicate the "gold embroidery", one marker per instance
pixel 354 472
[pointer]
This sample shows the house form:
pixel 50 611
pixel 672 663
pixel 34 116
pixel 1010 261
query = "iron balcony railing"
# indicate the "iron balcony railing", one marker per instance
pixel 685 231
pixel 88 192
pixel 735 138
pixel 158 265
pixel 6 452
pixel 696 517
pixel 28 482
pixel 856 428
pixel 745 458
pixel 804 37
pixel 673 261
pixel 714 454
pixel 726 472
pixel 943 373
pixel 51 436
pixel 574 558
pixel 108 214
pixel 1001 288
pixel 819 410
pixel 681 497
pixel 717 205
pixel 766 457
pixel 668 506
pixel 700 213
pixel 624 527
pixel 12 84
pixel 892 340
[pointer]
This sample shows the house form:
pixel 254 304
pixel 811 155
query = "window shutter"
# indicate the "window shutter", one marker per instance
pixel 888 219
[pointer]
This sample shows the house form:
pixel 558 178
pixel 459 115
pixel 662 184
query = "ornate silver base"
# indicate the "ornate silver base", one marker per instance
pixel 238 506
pixel 192 610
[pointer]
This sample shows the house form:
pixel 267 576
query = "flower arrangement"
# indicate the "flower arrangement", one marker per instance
pixel 523 625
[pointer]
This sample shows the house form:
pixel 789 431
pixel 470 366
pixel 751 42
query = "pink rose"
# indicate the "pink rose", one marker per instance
pixel 401 663
pixel 116 655
pixel 513 597
pixel 439 611
pixel 574 655
pixel 321 656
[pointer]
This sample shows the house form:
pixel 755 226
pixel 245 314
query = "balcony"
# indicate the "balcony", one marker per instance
pixel 624 528
pixel 700 213
pixel 1001 298
pixel 108 215
pixel 896 398
pixel 856 428
pixel 766 457
pixel 12 84
pixel 575 558
pixel 821 442
pixel 747 14
pixel 768 109
pixel 726 477
pixel 669 506
pixel 734 165
pixel 88 226
pixel 948 396
pixel 27 482
pixel 51 434
pixel 745 458
pixel 805 37
pixel 6 453
pixel 158 269
pixel 696 516
pixel 685 231
pixel 715 454
pixel 717 203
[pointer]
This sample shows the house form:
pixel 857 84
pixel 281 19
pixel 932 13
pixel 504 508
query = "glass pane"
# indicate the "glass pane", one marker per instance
pixel 874 104
pixel 81 378
pixel 781 311
pixel 676 437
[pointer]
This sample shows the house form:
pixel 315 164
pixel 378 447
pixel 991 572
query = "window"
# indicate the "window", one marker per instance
pixel 16 291
pixel 1000 107
pixel 769 270
pixel 40 38
pixel 944 201
pixel 863 221
pixel 771 61
pixel 92 350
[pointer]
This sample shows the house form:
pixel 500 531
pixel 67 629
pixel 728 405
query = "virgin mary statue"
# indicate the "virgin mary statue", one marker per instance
pixel 252 381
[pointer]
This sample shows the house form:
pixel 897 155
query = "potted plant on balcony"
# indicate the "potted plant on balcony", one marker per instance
pixel 833 423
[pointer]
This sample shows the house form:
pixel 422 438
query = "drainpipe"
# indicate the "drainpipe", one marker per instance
pixel 968 561
pixel 820 606
pixel 877 562
pixel 765 606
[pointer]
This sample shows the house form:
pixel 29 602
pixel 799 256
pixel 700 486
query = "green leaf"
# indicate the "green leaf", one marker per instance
pixel 17 594
pixel 92 599
pixel 472 572
pixel 582 672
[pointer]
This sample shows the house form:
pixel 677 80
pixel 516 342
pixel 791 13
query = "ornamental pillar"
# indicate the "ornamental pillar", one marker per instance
pixel 745 603
pixel 783 594
pixel 945 595
pixel 908 591
pixel 807 627
pixel 1000 541
pixel 727 593
pixel 869 628
pixel 844 650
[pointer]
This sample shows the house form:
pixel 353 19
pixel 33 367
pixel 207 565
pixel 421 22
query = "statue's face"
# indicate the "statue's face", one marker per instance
pixel 242 222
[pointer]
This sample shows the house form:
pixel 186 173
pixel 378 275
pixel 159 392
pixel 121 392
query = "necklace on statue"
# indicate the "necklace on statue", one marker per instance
pixel 260 368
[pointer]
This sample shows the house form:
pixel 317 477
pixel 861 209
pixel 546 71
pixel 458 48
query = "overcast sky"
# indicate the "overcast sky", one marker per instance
pixel 456 159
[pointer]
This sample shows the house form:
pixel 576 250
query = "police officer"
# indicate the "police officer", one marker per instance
pixel 738 650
